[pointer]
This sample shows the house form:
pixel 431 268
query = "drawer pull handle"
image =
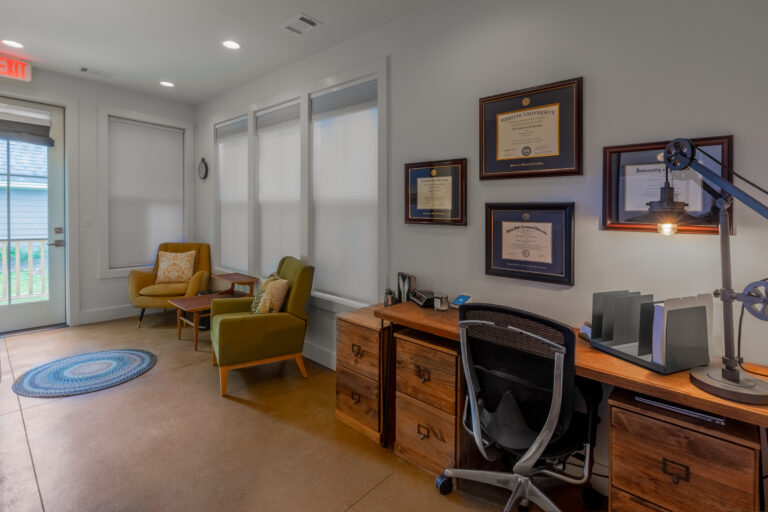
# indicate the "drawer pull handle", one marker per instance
pixel 422 431
pixel 423 374
pixel 355 398
pixel 676 470
pixel 356 350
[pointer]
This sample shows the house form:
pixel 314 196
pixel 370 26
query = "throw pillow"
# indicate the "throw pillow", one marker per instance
pixel 259 293
pixel 271 296
pixel 175 267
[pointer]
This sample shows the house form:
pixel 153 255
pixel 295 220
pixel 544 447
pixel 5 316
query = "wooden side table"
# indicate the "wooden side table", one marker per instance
pixel 235 278
pixel 199 306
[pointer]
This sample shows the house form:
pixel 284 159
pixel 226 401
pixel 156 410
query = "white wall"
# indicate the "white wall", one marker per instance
pixel 95 299
pixel 652 71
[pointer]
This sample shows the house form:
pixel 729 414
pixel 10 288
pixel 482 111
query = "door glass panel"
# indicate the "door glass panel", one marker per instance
pixel 28 221
pixel 4 277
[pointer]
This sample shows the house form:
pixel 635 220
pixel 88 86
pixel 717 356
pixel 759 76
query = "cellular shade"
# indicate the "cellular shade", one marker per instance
pixel 146 190
pixel 232 155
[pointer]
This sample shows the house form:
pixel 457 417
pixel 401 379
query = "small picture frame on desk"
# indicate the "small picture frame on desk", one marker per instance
pixel 532 241
pixel 633 175
pixel 532 132
pixel 436 192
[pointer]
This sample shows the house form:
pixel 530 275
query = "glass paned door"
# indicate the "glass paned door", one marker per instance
pixel 32 262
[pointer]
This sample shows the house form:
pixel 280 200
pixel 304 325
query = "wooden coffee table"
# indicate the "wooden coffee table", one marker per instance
pixel 199 306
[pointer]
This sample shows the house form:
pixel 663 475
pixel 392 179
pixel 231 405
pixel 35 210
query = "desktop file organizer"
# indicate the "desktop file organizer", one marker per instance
pixel 625 323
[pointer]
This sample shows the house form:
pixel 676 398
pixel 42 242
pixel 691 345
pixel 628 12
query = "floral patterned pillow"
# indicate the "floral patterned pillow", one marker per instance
pixel 175 267
pixel 270 296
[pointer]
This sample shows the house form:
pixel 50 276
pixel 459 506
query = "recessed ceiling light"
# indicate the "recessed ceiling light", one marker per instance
pixel 168 84
pixel 231 45
pixel 12 44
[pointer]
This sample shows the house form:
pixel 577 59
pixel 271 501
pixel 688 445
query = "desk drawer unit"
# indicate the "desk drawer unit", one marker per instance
pixel 665 461
pixel 359 340
pixel 424 435
pixel 427 374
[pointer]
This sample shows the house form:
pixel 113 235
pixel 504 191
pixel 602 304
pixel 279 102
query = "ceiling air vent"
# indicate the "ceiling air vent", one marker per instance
pixel 96 72
pixel 302 24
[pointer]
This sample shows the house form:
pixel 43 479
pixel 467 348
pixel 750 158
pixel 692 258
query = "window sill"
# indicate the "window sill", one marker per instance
pixel 333 303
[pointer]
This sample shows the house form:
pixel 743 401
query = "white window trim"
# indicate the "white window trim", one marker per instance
pixel 374 70
pixel 105 113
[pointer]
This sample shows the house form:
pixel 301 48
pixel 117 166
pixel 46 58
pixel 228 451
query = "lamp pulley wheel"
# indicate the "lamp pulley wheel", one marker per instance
pixel 758 309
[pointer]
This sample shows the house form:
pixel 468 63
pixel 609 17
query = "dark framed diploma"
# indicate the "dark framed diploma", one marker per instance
pixel 633 175
pixel 531 241
pixel 436 192
pixel 532 132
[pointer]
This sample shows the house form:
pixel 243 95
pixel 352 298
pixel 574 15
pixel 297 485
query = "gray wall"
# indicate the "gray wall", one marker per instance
pixel 652 70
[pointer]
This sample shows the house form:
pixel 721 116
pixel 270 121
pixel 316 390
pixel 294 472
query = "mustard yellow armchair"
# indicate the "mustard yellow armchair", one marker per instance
pixel 240 339
pixel 144 293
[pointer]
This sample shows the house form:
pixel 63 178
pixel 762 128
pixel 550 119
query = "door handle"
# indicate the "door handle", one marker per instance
pixel 676 470
pixel 355 398
pixel 57 243
pixel 357 351
pixel 422 431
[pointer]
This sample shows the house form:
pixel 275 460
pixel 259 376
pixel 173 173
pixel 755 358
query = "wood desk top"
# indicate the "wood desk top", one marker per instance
pixel 596 365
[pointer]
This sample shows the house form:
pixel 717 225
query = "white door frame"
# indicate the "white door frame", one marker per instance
pixel 71 215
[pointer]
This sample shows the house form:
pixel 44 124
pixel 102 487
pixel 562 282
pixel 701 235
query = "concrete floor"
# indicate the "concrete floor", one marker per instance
pixel 168 441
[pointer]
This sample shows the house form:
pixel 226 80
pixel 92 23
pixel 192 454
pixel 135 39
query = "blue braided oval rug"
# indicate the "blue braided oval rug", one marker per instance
pixel 84 373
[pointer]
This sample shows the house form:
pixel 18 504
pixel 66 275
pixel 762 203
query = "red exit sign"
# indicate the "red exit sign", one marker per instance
pixel 14 68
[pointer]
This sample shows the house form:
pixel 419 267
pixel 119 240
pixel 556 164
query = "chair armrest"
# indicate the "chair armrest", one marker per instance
pixel 198 283
pixel 139 279
pixel 234 305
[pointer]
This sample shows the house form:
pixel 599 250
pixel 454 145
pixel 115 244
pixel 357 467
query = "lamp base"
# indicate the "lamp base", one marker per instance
pixel 748 390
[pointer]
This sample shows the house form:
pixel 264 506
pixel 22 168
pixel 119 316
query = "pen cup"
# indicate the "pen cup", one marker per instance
pixel 441 302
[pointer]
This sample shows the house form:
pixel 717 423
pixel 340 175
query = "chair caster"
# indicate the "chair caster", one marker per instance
pixel 444 484
pixel 592 499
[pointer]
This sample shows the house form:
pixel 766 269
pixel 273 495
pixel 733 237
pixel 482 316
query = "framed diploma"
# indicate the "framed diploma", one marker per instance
pixel 531 241
pixel 436 192
pixel 633 175
pixel 531 132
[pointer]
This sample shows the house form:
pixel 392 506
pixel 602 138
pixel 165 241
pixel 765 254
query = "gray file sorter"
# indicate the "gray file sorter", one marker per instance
pixel 622 325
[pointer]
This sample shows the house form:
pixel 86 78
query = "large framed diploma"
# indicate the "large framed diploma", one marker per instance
pixel 633 175
pixel 436 192
pixel 531 132
pixel 532 241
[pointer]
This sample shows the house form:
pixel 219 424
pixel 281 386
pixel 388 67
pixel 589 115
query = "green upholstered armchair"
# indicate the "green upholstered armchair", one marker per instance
pixel 144 293
pixel 241 339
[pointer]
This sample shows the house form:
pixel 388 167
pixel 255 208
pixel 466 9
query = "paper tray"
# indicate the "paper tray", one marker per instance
pixel 625 352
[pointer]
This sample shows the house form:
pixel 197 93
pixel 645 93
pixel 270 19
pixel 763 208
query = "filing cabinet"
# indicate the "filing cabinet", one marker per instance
pixel 360 339
pixel 666 461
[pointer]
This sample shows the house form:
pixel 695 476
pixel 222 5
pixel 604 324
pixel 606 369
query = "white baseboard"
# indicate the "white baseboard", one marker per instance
pixel 320 355
pixel 92 316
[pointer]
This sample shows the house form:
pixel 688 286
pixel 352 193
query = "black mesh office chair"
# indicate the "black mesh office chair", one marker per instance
pixel 520 377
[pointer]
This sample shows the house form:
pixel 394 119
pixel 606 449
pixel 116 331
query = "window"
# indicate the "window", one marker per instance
pixel 145 191
pixel 344 226
pixel 278 135
pixel 232 156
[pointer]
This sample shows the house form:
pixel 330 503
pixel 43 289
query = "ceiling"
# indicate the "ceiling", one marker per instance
pixel 138 43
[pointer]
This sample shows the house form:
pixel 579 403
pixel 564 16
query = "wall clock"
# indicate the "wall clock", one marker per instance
pixel 202 169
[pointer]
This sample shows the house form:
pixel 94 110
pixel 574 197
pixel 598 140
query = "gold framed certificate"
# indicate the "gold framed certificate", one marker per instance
pixel 436 192
pixel 633 175
pixel 531 241
pixel 532 132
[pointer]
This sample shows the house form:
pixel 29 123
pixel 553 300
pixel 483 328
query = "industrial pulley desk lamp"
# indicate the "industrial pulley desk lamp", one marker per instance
pixel 726 380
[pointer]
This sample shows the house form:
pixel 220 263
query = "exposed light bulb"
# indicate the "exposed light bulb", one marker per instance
pixel 168 84
pixel 232 45
pixel 667 229
pixel 12 44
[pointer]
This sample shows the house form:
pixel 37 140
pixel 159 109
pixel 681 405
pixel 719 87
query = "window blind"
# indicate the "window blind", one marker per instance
pixel 278 133
pixel 344 221
pixel 146 190
pixel 232 156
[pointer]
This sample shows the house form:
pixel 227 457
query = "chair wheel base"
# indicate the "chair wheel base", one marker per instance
pixel 444 484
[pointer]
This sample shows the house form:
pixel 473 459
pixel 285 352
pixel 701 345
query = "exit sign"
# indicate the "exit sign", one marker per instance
pixel 11 67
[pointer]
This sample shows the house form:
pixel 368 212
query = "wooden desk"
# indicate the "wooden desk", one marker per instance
pixel 594 364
